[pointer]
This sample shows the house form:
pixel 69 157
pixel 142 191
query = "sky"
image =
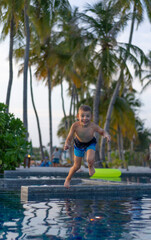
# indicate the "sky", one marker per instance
pixel 142 38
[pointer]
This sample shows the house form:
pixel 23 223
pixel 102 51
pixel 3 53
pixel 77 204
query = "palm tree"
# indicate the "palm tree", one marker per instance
pixel 73 63
pixel 37 118
pixel 137 15
pixel 146 75
pixel 10 15
pixel 26 60
pixel 45 20
pixel 104 47
pixel 29 10
pixel 123 121
pixel 144 136
pixel 19 55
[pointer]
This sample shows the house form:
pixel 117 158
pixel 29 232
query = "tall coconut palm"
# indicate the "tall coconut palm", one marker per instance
pixel 104 28
pixel 144 136
pixel 45 21
pixel 19 55
pixel 10 11
pixel 123 121
pixel 74 65
pixel 26 60
pixel 139 59
pixel 137 15
pixel 37 118
pixel 146 75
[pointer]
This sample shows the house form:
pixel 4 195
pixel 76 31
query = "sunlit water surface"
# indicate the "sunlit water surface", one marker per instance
pixel 102 219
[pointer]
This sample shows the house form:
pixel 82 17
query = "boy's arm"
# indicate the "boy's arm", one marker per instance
pixel 69 137
pixel 103 133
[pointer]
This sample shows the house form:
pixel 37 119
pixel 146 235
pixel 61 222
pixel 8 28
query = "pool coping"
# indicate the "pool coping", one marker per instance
pixel 14 184
pixel 84 190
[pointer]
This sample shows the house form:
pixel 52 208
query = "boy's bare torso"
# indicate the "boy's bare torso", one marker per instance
pixel 84 134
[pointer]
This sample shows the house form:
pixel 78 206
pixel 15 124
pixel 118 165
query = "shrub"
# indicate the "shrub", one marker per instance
pixel 13 145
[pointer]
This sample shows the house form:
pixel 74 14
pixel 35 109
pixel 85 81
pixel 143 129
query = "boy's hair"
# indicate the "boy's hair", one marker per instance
pixel 85 108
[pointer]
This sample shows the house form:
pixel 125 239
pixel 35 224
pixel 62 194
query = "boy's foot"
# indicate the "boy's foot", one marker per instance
pixel 91 171
pixel 67 183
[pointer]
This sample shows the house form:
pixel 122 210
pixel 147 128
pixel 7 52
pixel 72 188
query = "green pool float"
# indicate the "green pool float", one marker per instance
pixel 106 173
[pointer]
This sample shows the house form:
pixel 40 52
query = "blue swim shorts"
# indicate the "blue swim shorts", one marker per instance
pixel 55 160
pixel 78 152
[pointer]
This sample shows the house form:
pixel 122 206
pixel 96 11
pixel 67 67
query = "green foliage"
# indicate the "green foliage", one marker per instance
pixel 13 145
pixel 36 153
pixel 116 162
pixel 135 158
pixel 131 158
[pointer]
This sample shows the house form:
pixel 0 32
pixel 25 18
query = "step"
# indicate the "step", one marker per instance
pixel 26 173
pixel 11 184
pixel 37 193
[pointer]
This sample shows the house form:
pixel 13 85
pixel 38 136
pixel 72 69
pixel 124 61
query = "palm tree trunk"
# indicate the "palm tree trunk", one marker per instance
pixel 37 118
pixel 63 106
pixel 11 43
pixel 96 104
pixel 116 90
pixel 70 109
pixel 109 152
pixel 50 113
pixel 119 142
pixel 26 59
pixel 74 103
pixel 71 106
pixel 62 98
pixel 132 146
pixel 71 121
pixel 77 100
pixel 122 148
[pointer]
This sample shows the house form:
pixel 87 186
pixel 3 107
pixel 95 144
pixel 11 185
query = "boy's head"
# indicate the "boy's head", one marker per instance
pixel 84 115
pixel 85 108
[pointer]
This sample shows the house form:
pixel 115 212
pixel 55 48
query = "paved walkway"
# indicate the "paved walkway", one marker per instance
pixel 63 172
pixel 139 170
pixel 131 169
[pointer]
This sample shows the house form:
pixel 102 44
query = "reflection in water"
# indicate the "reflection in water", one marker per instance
pixel 125 218
pixel 136 179
pixel 11 216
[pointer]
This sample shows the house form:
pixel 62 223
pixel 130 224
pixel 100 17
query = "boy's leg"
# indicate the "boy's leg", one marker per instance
pixel 90 160
pixel 73 169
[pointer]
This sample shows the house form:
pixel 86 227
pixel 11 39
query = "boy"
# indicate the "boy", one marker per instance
pixel 84 141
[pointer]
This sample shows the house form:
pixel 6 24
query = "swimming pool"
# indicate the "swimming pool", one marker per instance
pixel 116 218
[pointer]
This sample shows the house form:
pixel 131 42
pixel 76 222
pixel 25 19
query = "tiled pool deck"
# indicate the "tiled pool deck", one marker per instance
pixel 50 183
pixel 63 171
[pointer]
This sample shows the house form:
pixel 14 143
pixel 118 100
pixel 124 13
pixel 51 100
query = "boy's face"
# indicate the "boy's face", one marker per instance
pixel 84 117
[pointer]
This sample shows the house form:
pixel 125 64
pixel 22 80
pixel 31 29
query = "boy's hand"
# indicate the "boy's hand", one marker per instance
pixel 66 146
pixel 107 136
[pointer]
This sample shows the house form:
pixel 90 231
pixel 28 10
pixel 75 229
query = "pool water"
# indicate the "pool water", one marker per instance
pixel 96 219
pixel 136 179
pixel 128 179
